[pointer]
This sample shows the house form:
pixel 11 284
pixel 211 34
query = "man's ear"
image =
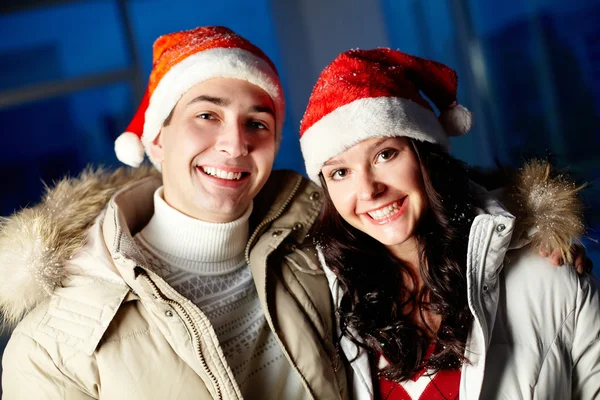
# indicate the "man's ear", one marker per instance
pixel 156 148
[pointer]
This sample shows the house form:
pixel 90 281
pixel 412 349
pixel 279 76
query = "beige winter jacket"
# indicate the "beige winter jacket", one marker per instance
pixel 100 324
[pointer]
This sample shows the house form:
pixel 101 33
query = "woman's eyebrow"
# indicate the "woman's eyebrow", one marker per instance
pixel 378 143
pixel 332 161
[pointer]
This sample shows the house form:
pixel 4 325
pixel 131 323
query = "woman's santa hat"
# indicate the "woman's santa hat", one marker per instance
pixel 181 60
pixel 364 94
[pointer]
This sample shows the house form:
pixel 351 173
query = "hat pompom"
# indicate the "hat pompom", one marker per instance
pixel 129 149
pixel 456 120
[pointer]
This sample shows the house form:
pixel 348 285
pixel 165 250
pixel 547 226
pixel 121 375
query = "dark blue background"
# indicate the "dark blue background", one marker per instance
pixel 529 69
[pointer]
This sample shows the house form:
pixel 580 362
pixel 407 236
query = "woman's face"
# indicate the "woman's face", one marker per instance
pixel 377 187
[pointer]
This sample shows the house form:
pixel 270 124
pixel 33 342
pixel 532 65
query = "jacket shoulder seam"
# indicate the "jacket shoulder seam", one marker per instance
pixel 96 323
pixel 60 366
pixel 551 345
pixel 580 289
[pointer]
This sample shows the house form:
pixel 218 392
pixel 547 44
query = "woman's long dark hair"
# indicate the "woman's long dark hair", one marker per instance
pixel 377 303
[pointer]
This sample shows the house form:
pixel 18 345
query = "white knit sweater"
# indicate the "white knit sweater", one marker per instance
pixel 205 262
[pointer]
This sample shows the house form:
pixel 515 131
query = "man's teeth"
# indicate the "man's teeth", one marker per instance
pixel 222 174
pixel 385 211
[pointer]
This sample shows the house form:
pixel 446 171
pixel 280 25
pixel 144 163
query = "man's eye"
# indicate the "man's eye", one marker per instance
pixel 386 155
pixel 257 125
pixel 206 116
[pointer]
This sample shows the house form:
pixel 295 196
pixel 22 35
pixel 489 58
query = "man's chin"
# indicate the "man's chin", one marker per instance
pixel 221 210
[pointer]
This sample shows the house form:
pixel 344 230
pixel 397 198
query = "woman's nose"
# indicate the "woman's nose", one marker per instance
pixel 369 187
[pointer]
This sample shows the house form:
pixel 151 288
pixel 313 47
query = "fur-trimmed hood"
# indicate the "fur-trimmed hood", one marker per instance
pixel 36 242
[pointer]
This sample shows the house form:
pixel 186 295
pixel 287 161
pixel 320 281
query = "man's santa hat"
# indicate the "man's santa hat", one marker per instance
pixel 180 61
pixel 364 94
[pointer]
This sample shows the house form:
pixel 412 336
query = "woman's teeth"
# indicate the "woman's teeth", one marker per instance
pixel 222 174
pixel 385 212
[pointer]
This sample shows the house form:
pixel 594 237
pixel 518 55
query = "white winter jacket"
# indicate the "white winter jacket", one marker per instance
pixel 536 328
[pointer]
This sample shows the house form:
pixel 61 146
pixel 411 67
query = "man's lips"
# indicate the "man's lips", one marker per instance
pixel 224 173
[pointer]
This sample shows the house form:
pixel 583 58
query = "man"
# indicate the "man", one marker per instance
pixel 202 284
pixel 160 296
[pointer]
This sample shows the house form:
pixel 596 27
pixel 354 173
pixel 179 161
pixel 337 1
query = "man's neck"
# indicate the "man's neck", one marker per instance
pixel 205 247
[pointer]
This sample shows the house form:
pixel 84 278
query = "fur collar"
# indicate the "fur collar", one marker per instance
pixel 35 242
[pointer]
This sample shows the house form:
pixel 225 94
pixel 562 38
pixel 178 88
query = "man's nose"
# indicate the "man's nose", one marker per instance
pixel 232 140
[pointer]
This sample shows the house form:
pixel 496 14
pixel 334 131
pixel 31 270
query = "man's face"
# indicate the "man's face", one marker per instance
pixel 218 149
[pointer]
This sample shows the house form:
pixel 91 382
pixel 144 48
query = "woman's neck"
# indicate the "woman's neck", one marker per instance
pixel 408 254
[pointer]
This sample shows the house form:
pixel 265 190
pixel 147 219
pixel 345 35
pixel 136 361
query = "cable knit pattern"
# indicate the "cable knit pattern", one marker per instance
pixel 205 263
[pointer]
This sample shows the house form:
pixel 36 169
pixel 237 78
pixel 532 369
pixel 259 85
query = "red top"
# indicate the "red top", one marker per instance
pixel 444 385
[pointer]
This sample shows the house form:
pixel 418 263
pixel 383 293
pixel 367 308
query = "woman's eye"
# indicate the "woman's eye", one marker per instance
pixel 386 155
pixel 338 174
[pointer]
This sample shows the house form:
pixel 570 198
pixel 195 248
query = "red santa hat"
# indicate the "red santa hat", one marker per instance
pixel 364 94
pixel 180 61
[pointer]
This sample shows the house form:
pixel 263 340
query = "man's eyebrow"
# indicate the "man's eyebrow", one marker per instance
pixel 219 101
pixel 263 109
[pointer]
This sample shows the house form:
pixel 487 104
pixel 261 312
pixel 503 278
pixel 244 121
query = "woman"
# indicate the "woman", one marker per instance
pixel 436 298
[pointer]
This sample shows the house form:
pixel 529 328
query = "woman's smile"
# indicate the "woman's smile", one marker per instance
pixel 387 213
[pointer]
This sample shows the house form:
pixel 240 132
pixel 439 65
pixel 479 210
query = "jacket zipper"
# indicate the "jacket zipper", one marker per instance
pixel 271 219
pixel 196 334
pixel 247 254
